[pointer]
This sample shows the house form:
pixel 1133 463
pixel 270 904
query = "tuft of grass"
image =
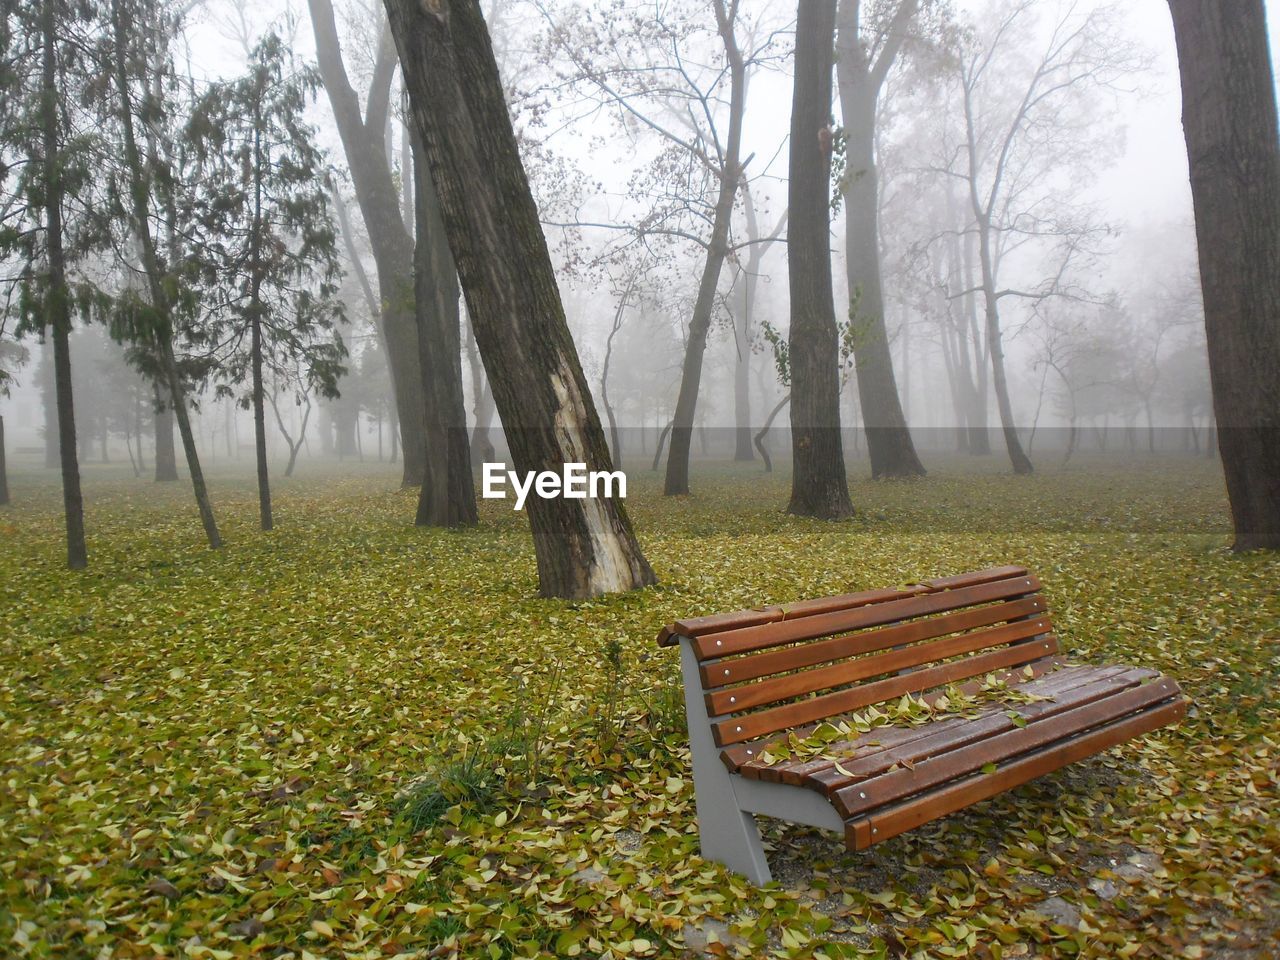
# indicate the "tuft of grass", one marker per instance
pixel 470 782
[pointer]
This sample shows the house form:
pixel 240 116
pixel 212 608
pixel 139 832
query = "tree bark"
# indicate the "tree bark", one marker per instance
pixel 1230 122
pixel 889 445
pixel 584 547
pixel 4 469
pixel 364 142
pixel 730 173
pixel 166 458
pixel 57 297
pixel 448 496
pixel 255 337
pixel 819 487
pixel 260 425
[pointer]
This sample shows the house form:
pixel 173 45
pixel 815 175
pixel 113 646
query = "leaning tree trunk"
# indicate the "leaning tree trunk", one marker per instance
pixel 166 456
pixel 1229 119
pixel 162 334
pixel 364 143
pixel 889 444
pixel 819 487
pixel 677 479
pixel 448 495
pixel 57 300
pixel 584 547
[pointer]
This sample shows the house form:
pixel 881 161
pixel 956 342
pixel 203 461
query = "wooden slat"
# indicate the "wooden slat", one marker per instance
pixel 756 665
pixel 862 832
pixel 1064 686
pixel 697 626
pixel 738 757
pixel 746 639
pixel 951 761
pixel 792 685
pixel 763 722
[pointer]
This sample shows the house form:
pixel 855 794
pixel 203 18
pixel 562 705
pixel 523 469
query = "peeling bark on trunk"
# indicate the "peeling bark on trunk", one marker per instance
pixel 889 445
pixel 448 496
pixel 1229 119
pixel 819 487
pixel 584 547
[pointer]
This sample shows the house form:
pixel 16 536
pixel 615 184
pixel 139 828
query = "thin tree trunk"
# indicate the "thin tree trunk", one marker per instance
pixel 260 426
pixel 4 469
pixel 768 425
pixel 255 338
pixel 163 335
pixel 662 442
pixel 57 298
pixel 584 547
pixel 819 487
pixel 677 479
pixel 1230 122
pixel 889 444
pixel 448 496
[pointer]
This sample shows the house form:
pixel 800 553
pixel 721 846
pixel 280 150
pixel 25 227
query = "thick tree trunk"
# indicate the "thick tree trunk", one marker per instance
pixel 4 469
pixel 586 546
pixel 448 496
pixel 364 142
pixel 166 456
pixel 1229 119
pixel 889 444
pixel 677 479
pixel 819 487
pixel 57 298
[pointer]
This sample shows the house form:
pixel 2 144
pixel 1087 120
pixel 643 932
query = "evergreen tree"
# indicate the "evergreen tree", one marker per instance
pixel 267 239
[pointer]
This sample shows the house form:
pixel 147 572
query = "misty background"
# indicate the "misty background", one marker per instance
pixel 1118 363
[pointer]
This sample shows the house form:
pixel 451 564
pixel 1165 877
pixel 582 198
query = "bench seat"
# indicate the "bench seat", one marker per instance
pixel 757 680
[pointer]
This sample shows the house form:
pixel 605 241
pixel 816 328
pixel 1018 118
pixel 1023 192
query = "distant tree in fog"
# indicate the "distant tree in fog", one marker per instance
pixel 679 75
pixel 1031 130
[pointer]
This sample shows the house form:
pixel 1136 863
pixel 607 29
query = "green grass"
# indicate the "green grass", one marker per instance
pixel 250 726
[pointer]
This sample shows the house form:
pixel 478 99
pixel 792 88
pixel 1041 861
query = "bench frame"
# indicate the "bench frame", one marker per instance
pixel 728 802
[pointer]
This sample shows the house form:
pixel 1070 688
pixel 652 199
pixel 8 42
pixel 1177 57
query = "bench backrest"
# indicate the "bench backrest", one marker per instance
pixel 769 670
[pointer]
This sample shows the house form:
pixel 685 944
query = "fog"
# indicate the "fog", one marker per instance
pixel 1116 353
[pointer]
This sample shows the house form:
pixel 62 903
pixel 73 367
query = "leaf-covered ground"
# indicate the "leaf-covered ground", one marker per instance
pixel 353 738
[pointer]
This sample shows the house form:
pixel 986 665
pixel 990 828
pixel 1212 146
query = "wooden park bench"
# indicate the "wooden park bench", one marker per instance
pixel 758 680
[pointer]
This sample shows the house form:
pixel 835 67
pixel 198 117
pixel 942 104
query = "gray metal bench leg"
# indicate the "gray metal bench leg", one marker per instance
pixel 728 834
